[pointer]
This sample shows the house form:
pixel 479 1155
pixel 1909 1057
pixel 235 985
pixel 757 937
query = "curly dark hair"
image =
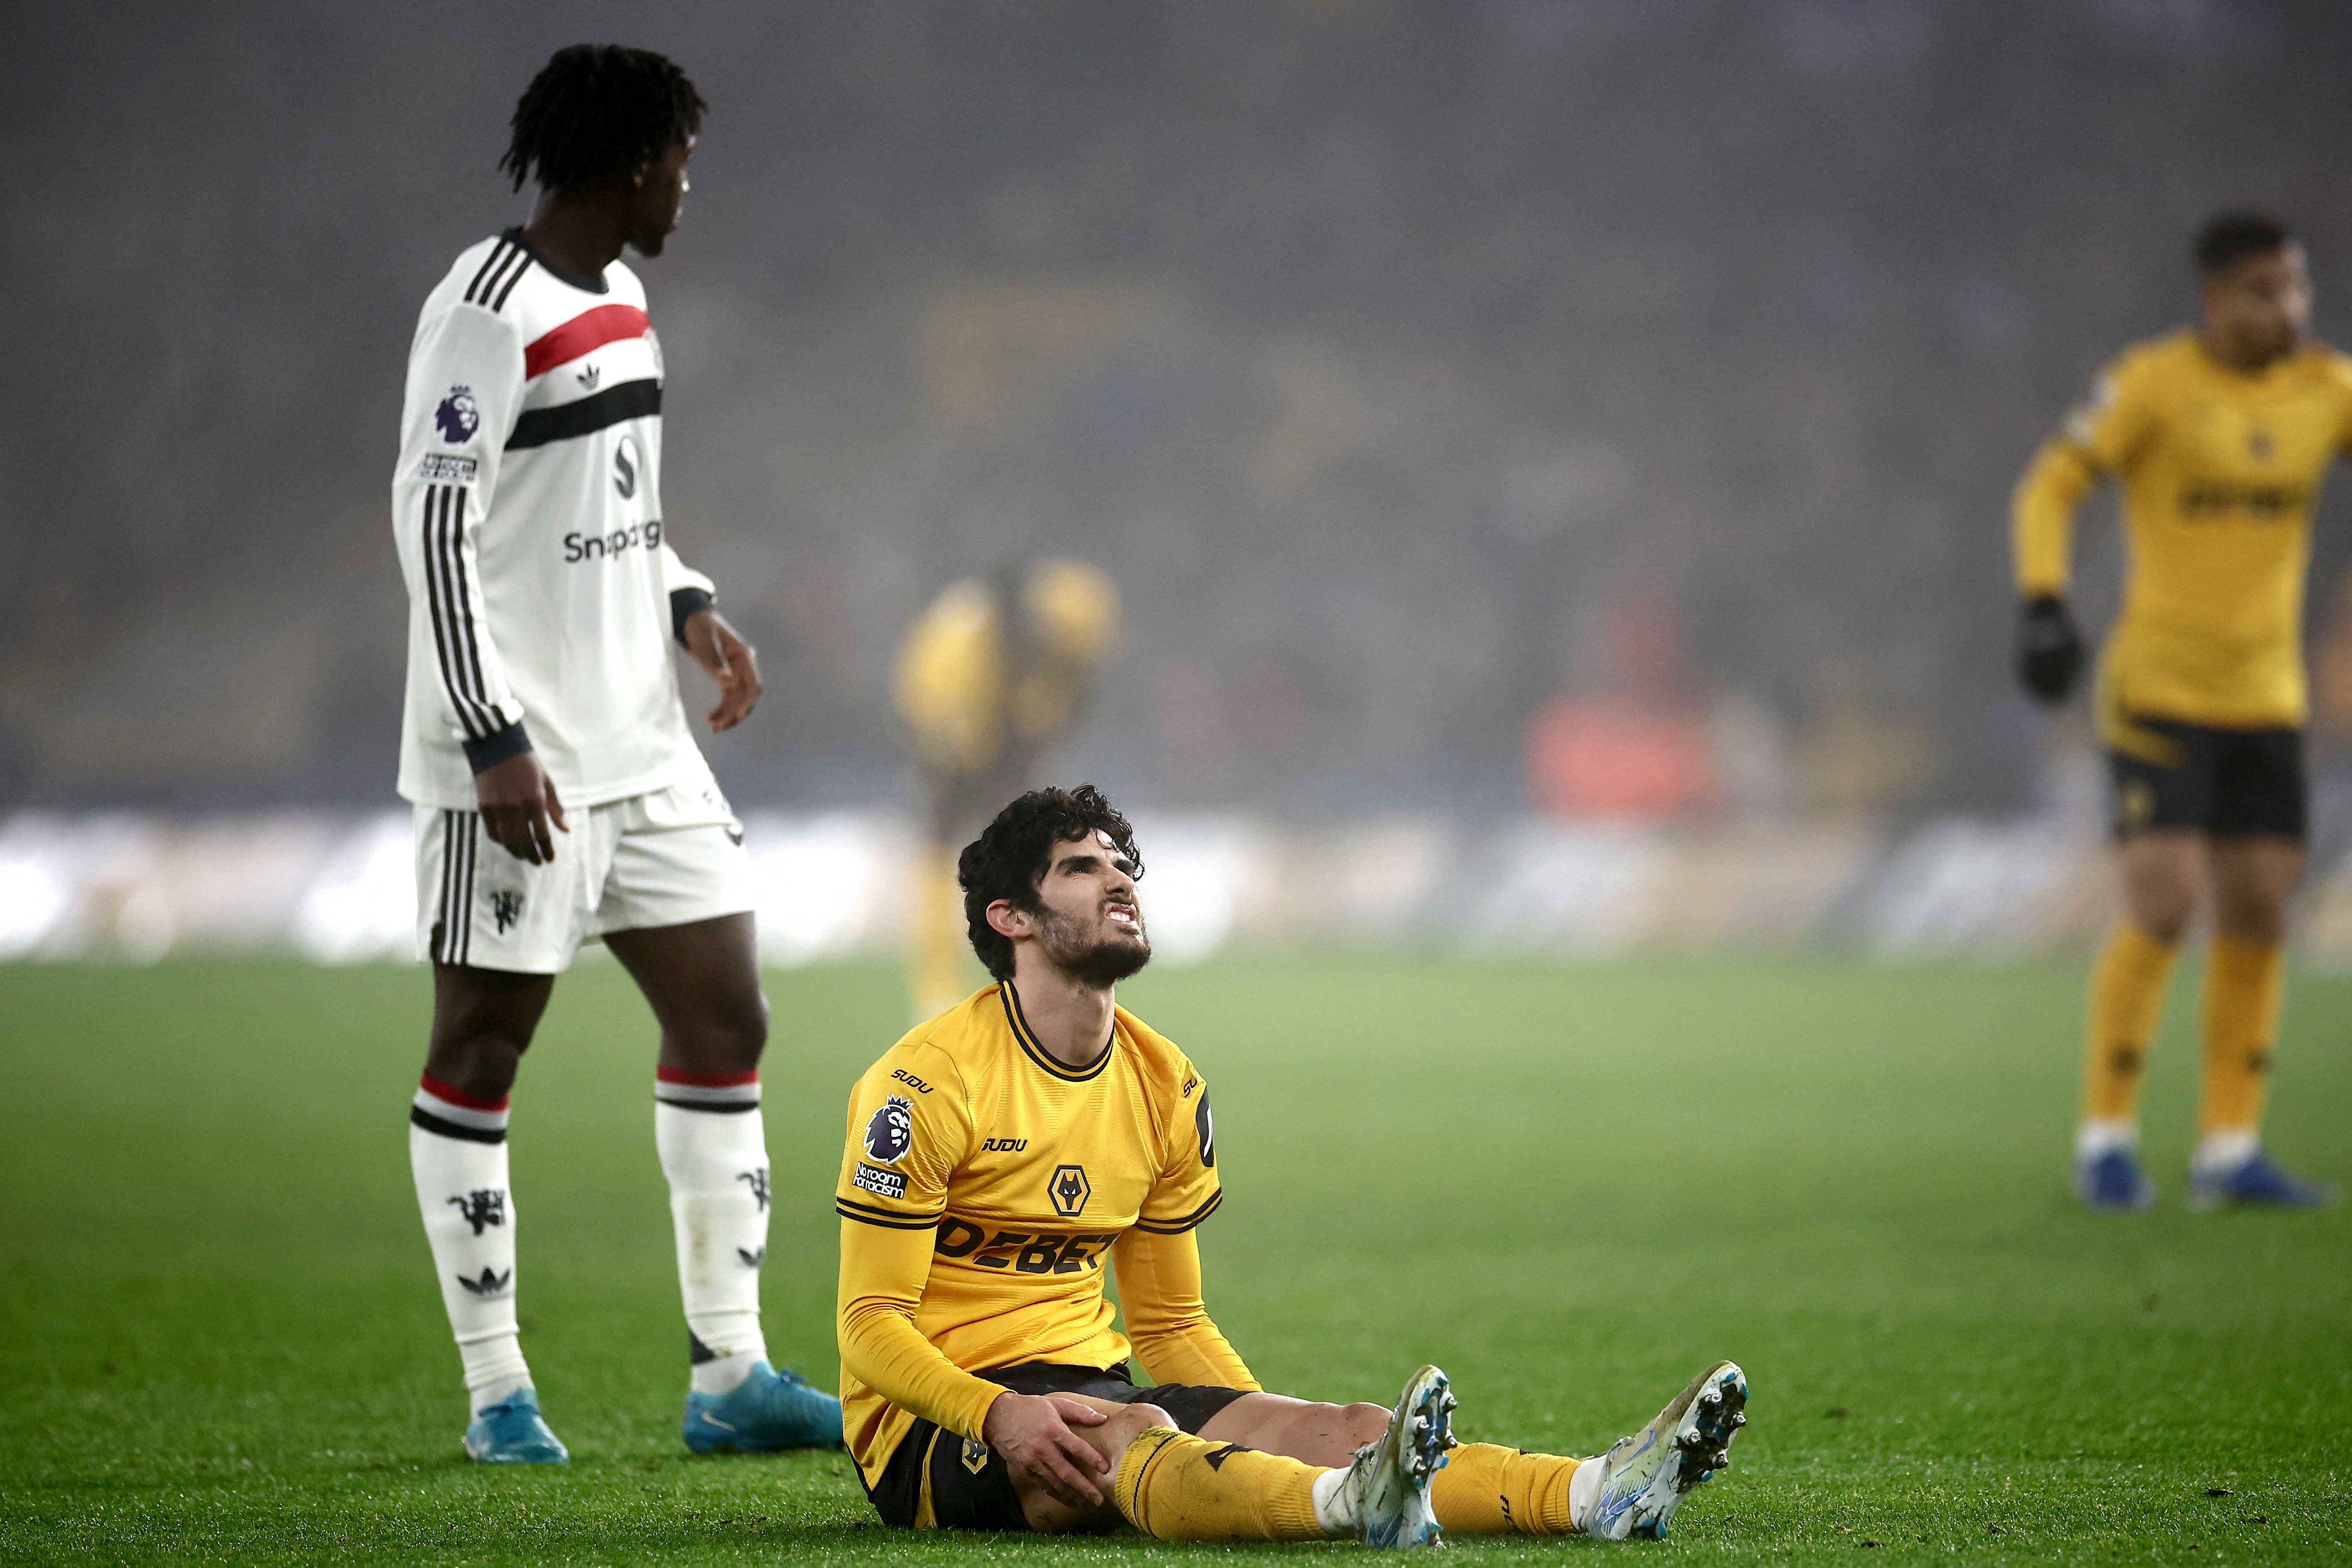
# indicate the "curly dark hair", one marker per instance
pixel 2228 239
pixel 598 112
pixel 1010 857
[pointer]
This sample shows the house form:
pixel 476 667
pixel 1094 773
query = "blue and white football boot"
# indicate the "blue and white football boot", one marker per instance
pixel 1388 1481
pixel 1644 1477
pixel 512 1432
pixel 2111 1182
pixel 2256 1182
pixel 767 1410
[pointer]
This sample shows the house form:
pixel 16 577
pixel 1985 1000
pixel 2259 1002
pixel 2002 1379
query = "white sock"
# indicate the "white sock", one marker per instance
pixel 2225 1150
pixel 714 1151
pixel 457 1153
pixel 1334 1503
pixel 1584 1491
pixel 2098 1136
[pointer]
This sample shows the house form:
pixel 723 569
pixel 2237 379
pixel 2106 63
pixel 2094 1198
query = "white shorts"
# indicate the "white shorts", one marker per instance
pixel 667 859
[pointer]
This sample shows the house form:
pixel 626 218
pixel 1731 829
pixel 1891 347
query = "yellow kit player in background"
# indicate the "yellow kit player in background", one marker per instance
pixel 2218 437
pixel 992 672
pixel 1006 1155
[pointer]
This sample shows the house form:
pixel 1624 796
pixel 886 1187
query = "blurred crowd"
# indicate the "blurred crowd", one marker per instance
pixel 1602 406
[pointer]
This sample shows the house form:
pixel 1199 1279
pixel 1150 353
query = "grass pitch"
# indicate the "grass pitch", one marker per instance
pixel 1571 1186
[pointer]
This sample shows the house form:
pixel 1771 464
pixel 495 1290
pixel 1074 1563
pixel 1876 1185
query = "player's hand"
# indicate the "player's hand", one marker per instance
pixel 731 661
pixel 1033 1432
pixel 2049 648
pixel 518 801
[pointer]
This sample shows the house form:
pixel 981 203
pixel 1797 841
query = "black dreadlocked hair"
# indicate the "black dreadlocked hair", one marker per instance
pixel 598 111
pixel 1007 861
pixel 2228 239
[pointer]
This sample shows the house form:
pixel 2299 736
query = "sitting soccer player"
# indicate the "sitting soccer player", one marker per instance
pixel 1001 1154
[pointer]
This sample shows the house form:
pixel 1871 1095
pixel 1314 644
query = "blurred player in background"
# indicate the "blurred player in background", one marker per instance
pixel 2218 439
pixel 992 673
pixel 1002 1153
pixel 558 795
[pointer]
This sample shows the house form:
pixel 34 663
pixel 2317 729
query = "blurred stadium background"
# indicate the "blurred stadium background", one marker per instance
pixel 1554 453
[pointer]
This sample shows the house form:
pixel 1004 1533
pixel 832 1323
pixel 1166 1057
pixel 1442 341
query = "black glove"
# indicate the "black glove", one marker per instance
pixel 2049 648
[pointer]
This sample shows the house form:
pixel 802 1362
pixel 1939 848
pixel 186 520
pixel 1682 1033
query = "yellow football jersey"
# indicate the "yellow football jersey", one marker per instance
pixel 2219 471
pixel 965 691
pixel 1022 1176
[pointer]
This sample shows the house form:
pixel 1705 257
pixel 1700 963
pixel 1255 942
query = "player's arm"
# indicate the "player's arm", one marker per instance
pixel 2096 437
pixel 882 1274
pixel 716 646
pixel 465 388
pixel 1159 1260
pixel 1167 1321
pixel 883 1269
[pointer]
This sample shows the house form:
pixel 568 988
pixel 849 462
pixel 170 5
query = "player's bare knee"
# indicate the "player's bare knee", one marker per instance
pixel 1364 1422
pixel 748 1027
pixel 477 1051
pixel 1133 1422
pixel 728 1036
pixel 2163 905
pixel 483 1065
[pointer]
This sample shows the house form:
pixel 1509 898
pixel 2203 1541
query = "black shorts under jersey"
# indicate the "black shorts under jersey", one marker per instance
pixel 2223 782
pixel 971 1486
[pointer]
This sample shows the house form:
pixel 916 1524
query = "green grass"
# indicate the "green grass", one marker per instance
pixel 1571 1186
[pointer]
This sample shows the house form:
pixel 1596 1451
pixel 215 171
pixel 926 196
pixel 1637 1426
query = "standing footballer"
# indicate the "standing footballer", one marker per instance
pixel 559 796
pixel 2218 439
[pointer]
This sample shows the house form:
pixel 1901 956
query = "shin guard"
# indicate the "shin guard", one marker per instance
pixel 1487 1490
pixel 2126 1004
pixel 2244 986
pixel 714 1151
pixel 1175 1487
pixel 457 1155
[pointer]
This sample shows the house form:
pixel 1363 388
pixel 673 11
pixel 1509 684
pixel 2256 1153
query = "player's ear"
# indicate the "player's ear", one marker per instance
pixel 1008 922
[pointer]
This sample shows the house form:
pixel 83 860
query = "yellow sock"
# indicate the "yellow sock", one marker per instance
pixel 2126 1004
pixel 935 935
pixel 2243 987
pixel 1487 1490
pixel 1175 1487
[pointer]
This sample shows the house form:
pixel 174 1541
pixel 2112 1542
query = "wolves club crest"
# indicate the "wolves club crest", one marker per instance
pixel 1069 1190
pixel 890 1132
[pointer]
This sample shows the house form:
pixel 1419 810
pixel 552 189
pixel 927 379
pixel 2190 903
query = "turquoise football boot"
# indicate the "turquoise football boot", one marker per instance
pixel 512 1432
pixel 767 1410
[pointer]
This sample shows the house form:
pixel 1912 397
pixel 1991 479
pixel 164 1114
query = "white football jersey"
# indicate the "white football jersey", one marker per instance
pixel 528 510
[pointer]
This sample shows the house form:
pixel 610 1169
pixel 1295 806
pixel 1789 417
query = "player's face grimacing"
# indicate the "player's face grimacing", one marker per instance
pixel 2259 311
pixel 1089 924
pixel 657 196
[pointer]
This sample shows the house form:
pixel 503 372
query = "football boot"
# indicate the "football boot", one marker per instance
pixel 1388 1483
pixel 2112 1182
pixel 512 1432
pixel 767 1410
pixel 2256 1182
pixel 1645 1477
